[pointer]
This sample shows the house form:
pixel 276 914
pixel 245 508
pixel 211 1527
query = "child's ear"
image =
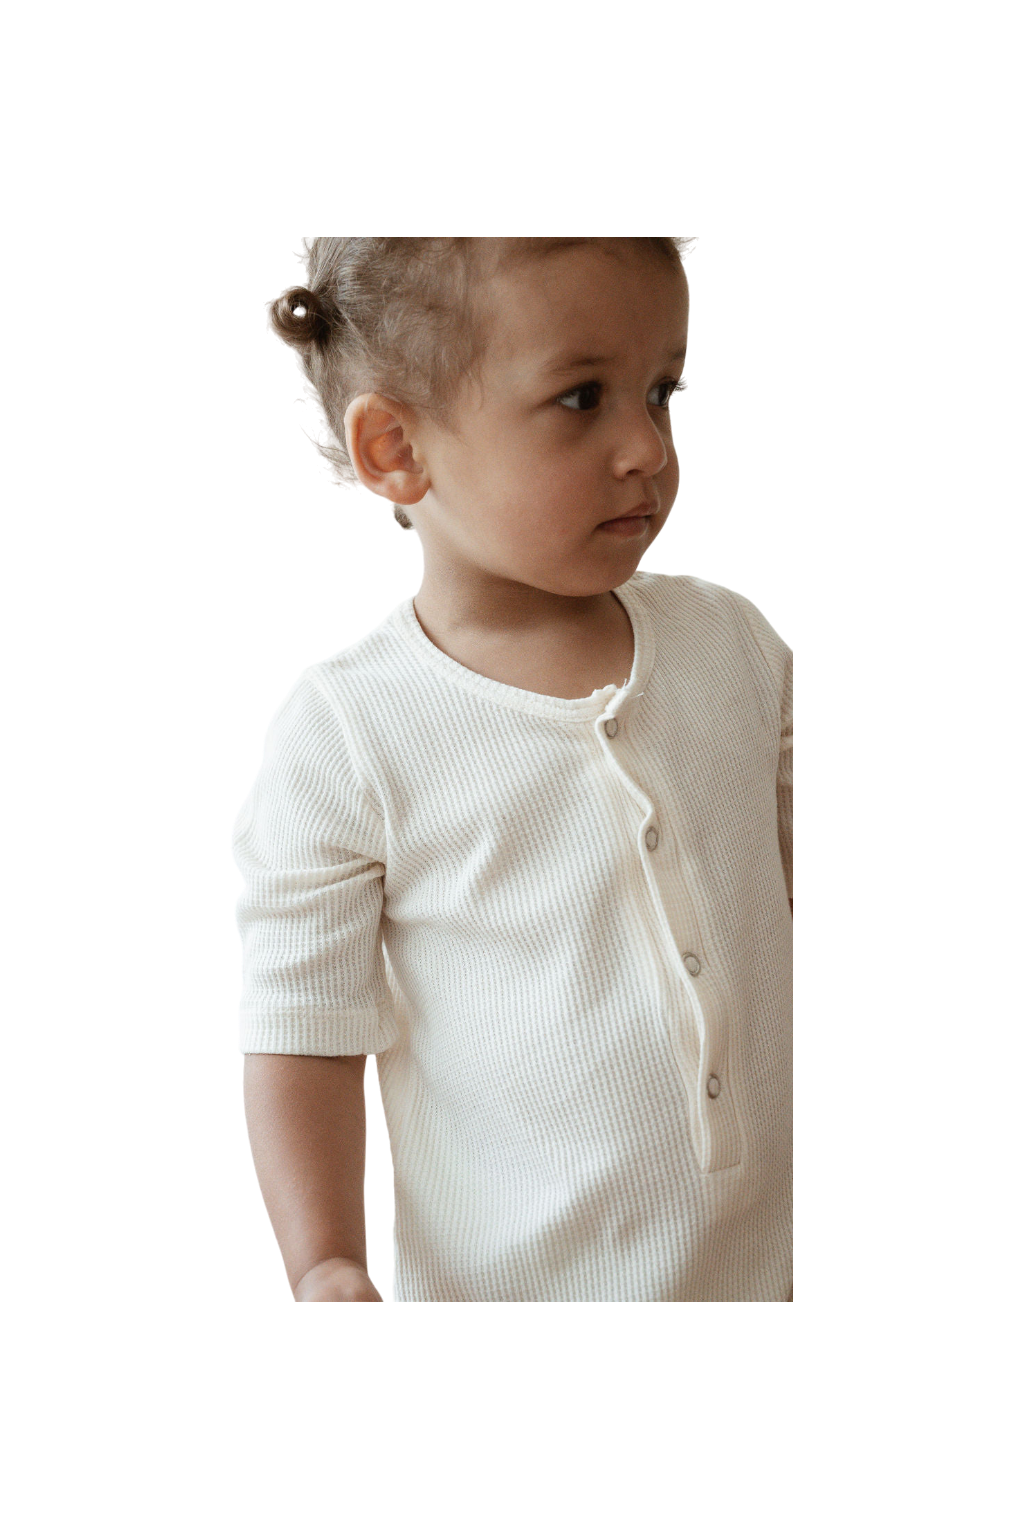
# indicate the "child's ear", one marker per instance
pixel 376 431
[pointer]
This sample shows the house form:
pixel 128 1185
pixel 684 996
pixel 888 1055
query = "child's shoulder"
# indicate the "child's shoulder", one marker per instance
pixel 691 602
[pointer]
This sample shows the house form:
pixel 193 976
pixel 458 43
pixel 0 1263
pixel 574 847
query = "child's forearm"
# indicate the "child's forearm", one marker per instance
pixel 307 1127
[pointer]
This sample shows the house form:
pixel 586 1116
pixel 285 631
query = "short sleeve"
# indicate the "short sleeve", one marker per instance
pixel 310 847
pixel 777 657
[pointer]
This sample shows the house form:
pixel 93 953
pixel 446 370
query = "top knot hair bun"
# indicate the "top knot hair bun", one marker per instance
pixel 303 317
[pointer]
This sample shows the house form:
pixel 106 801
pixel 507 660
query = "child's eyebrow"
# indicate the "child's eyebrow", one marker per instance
pixel 560 365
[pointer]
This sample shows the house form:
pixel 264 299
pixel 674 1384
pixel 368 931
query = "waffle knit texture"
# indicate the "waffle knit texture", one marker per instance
pixel 564 927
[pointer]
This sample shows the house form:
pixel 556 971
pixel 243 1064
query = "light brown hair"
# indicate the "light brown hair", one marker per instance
pixel 396 315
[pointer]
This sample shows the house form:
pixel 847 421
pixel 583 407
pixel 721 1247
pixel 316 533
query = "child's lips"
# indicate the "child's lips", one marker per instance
pixel 632 523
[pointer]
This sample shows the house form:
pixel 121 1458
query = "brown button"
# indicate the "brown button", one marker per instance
pixel 713 1086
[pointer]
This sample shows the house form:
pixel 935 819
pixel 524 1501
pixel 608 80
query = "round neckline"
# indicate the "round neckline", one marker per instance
pixel 525 699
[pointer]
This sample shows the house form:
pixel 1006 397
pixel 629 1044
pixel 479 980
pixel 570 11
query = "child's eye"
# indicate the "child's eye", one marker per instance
pixel 593 386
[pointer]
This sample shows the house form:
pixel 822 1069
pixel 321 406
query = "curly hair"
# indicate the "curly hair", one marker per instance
pixel 397 315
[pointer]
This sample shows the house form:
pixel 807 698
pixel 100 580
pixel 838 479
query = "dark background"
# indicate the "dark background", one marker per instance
pixel 302 585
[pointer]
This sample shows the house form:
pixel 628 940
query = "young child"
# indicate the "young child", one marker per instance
pixel 529 841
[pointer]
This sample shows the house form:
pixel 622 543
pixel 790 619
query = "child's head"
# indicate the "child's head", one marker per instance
pixel 513 391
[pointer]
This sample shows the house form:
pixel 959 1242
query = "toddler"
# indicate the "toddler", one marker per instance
pixel 529 841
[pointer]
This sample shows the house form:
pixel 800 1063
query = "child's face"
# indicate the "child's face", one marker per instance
pixel 542 454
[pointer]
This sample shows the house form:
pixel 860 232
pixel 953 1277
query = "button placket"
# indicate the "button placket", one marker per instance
pixel 690 961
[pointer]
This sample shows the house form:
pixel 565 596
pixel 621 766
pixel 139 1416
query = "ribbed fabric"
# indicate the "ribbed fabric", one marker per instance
pixel 564 928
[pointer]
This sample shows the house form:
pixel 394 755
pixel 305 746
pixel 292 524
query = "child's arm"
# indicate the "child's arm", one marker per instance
pixel 307 1125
